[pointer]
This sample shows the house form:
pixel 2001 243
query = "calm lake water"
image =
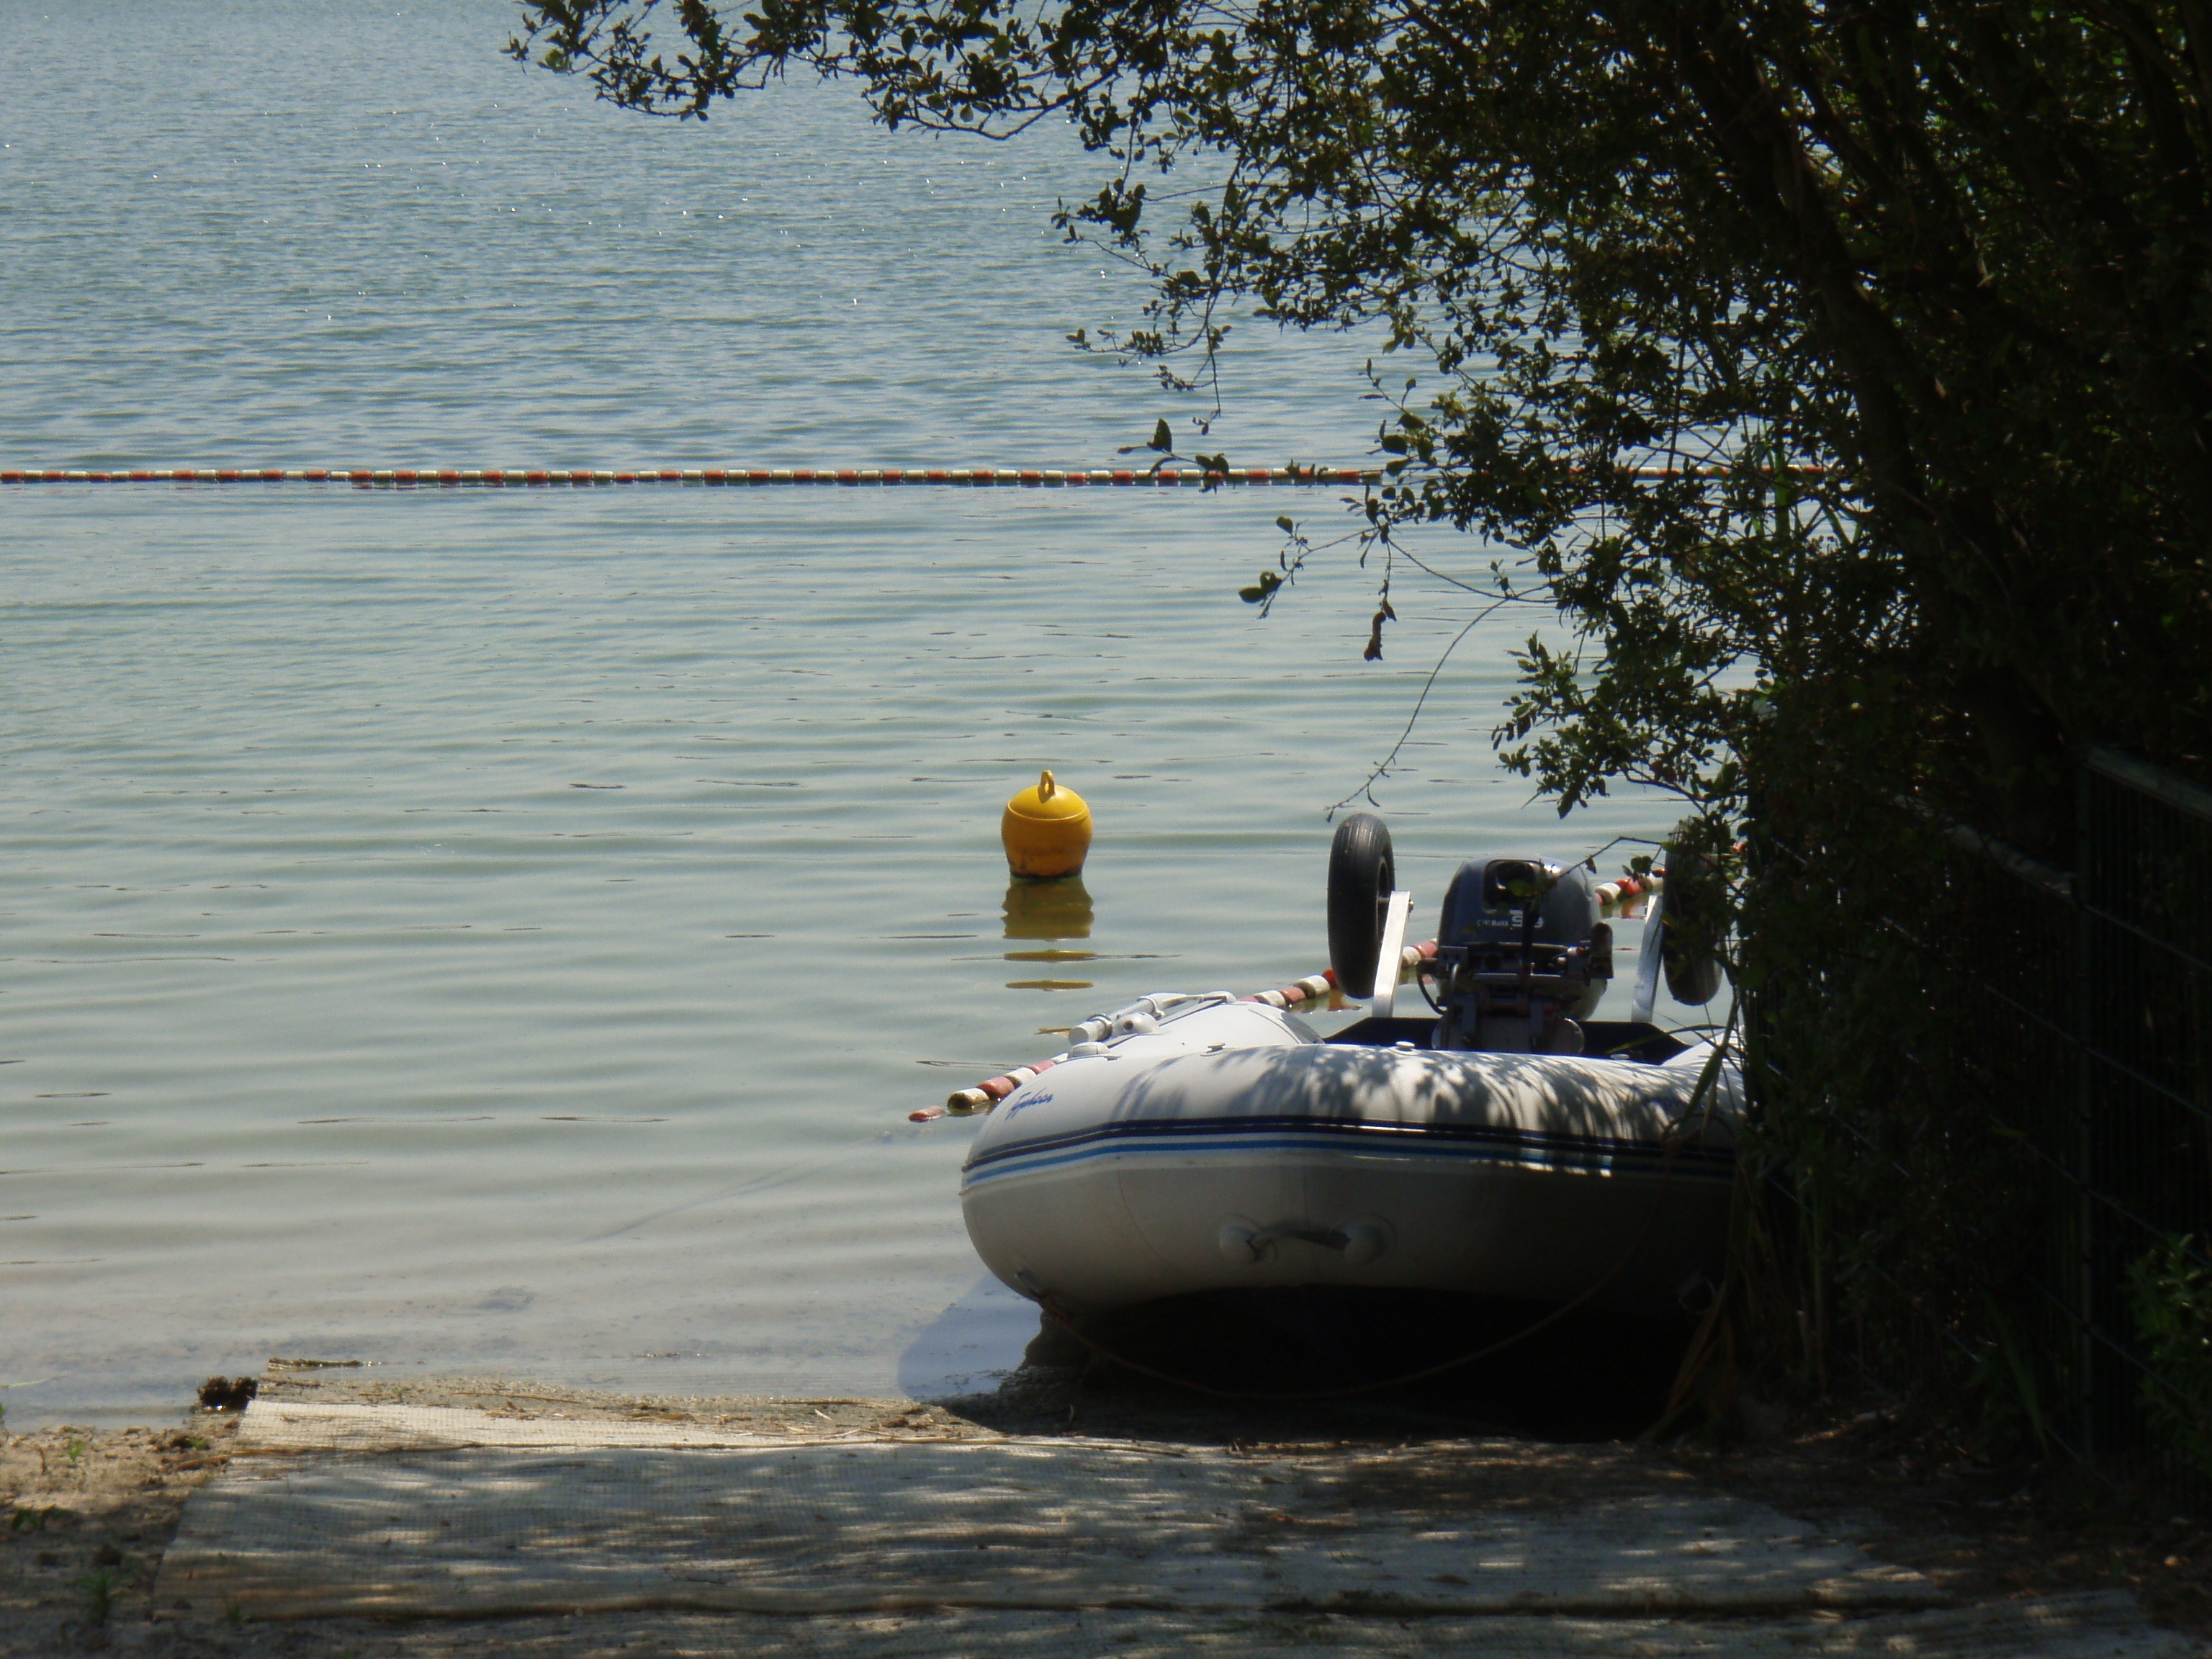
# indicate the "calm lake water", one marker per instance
pixel 475 931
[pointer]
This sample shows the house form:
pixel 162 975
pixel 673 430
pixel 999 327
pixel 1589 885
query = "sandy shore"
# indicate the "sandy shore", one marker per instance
pixel 86 1516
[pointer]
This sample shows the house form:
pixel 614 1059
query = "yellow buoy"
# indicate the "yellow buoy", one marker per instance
pixel 1045 831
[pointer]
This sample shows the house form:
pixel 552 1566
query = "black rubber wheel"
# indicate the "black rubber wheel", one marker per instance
pixel 1690 919
pixel 1361 876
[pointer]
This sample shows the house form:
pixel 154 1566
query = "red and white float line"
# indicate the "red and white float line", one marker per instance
pixel 1629 888
pixel 984 1096
pixel 449 478
pixel 493 477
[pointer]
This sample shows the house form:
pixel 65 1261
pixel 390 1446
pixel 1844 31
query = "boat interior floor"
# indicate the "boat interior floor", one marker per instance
pixel 1602 1039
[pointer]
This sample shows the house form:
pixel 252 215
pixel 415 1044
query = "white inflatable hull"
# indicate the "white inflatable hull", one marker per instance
pixel 1232 1148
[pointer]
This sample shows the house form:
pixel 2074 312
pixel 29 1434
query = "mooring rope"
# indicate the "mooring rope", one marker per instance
pixel 1069 1323
pixel 1697 1114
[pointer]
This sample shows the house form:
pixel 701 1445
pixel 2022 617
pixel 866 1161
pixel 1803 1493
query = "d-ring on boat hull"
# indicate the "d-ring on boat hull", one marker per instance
pixel 1224 1145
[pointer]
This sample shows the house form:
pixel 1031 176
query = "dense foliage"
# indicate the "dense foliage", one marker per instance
pixel 1953 258
pixel 2172 1293
pixel 1841 372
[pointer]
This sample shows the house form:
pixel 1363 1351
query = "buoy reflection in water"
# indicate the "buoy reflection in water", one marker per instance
pixel 1048 910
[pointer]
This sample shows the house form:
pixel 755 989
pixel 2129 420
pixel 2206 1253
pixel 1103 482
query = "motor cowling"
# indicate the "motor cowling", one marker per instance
pixel 1522 955
pixel 1486 902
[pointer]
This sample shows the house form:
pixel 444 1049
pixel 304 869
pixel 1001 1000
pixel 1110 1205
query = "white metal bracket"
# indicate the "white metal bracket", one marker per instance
pixel 1647 966
pixel 1389 962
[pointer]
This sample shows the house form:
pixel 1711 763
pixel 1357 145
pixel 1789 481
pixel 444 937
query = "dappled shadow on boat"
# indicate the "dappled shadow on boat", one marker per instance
pixel 1332 1360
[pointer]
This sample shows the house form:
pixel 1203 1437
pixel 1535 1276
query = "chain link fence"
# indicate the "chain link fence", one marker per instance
pixel 2091 1050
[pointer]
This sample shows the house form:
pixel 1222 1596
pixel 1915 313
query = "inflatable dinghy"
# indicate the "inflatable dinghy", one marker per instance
pixel 1507 1144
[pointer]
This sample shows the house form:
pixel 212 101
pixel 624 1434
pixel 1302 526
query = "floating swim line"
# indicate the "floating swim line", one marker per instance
pixel 494 478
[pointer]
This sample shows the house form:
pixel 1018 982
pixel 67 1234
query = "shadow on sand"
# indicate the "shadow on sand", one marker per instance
pixel 1322 1360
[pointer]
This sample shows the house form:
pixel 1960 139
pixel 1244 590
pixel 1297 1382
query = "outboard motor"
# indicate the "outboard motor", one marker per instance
pixel 1521 957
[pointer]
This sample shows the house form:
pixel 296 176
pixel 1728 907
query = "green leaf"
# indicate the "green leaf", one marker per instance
pixel 1268 582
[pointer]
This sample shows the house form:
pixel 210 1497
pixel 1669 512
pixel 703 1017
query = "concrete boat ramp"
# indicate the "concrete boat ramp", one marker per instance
pixel 529 1525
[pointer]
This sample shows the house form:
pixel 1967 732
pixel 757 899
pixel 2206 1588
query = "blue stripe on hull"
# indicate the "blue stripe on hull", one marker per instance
pixel 1247 1136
